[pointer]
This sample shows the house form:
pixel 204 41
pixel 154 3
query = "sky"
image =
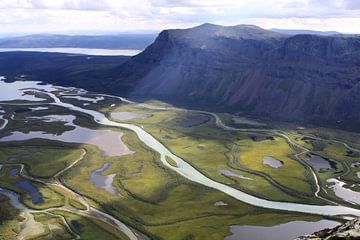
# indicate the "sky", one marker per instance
pixel 100 16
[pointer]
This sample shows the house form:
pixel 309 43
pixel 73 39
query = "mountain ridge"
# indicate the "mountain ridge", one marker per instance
pixel 302 78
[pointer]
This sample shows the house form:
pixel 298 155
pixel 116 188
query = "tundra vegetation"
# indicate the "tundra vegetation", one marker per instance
pixel 153 200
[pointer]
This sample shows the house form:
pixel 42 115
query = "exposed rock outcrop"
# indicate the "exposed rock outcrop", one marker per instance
pixel 348 231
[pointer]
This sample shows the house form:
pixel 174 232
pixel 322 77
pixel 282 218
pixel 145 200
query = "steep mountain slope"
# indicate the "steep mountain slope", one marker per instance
pixel 245 68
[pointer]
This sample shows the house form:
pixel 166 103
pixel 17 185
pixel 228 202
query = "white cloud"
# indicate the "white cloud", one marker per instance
pixel 125 15
pixel 344 25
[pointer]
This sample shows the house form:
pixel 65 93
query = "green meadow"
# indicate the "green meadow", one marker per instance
pixel 153 200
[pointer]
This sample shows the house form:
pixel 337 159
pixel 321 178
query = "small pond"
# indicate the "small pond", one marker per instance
pixel 229 173
pixel 259 138
pixel 355 164
pixel 286 231
pixel 104 182
pixel 108 141
pixel 32 190
pixel 220 203
pixel 38 108
pixel 320 163
pixel 15 90
pixel 13 172
pixel 272 162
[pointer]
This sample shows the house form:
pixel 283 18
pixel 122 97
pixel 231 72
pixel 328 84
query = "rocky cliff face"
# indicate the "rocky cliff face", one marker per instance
pixel 348 231
pixel 245 68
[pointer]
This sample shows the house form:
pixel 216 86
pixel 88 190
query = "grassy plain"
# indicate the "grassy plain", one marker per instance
pixel 210 149
pixel 153 199
pixel 40 161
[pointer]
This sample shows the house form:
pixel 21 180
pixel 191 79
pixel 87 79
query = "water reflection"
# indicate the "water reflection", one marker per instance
pixel 285 231
pixel 104 181
pixel 14 199
pixel 36 196
pixel 38 108
pixel 85 51
pixel 220 203
pixel 344 193
pixel 229 173
pixel 13 172
pixel 320 163
pixel 108 141
pixel 87 99
pixel 272 162
pixel 189 172
pixel 13 91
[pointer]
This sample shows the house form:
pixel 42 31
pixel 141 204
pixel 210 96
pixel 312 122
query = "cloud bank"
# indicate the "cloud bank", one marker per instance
pixel 120 15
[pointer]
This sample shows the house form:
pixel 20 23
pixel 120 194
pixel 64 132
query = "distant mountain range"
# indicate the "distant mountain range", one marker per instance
pixel 121 41
pixel 295 32
pixel 304 78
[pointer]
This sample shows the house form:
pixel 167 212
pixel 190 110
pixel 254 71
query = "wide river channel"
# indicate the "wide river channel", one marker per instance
pixel 182 168
pixel 187 171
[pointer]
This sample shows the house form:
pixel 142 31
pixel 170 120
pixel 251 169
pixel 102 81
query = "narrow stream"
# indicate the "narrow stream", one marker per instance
pixel 4 124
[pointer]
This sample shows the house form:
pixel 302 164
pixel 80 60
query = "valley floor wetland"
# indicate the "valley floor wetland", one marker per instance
pixel 116 169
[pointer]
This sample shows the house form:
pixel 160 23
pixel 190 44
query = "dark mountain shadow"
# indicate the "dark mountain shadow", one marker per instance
pixel 304 78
